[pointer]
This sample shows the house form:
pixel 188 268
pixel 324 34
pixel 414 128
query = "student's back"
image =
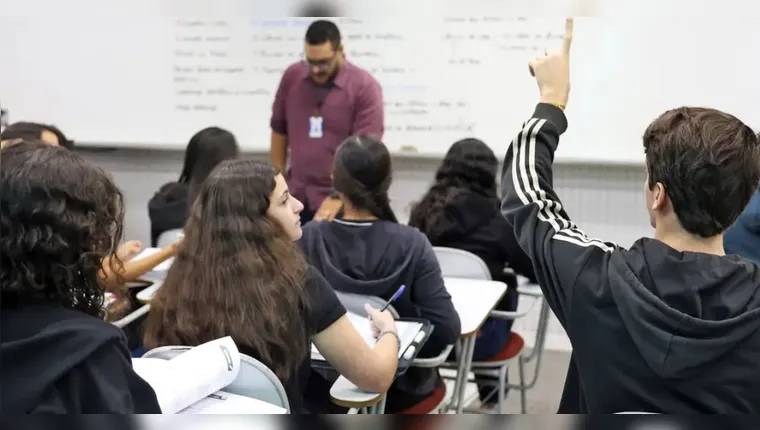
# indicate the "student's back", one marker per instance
pixel 168 208
pixel 59 218
pixel 60 360
pixel 685 329
pixel 367 252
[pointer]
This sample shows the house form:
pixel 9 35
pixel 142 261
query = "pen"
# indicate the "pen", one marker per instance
pixel 393 299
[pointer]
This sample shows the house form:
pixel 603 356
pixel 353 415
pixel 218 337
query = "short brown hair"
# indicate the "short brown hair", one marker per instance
pixel 709 163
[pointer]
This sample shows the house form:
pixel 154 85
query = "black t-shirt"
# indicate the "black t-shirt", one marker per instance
pixel 324 309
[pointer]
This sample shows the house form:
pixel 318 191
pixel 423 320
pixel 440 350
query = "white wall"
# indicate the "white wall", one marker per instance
pixel 605 201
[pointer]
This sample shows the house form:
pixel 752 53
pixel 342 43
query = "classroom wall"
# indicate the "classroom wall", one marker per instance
pixel 605 201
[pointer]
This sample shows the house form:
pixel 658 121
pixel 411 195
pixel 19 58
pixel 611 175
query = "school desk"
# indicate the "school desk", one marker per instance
pixel 473 300
pixel 473 309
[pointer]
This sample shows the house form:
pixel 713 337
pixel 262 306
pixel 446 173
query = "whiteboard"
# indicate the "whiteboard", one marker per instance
pixel 150 73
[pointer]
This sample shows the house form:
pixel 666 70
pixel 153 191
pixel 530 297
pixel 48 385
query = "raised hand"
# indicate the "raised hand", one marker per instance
pixel 552 71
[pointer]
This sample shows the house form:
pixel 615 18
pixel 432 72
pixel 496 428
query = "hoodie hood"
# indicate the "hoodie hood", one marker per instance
pixel 379 259
pixel 466 213
pixel 686 311
pixel 40 344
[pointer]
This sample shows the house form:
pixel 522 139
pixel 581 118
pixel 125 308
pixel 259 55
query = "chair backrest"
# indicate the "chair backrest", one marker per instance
pixel 456 263
pixel 168 237
pixel 354 303
pixel 255 380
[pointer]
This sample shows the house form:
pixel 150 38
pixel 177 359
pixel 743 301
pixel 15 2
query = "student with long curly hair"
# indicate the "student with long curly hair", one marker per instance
pixel 59 218
pixel 239 274
pixel 461 210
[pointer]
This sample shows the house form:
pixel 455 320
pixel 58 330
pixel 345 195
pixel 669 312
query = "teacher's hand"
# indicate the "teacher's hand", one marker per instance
pixel 329 209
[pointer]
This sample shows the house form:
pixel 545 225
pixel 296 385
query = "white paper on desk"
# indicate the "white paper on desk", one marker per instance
pixel 192 375
pixel 147 252
pixel 407 331
pixel 222 402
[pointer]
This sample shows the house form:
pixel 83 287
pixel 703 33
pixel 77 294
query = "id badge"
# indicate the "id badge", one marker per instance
pixel 315 127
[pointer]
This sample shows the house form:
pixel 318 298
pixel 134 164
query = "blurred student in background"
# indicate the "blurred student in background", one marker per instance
pixel 168 208
pixel 48 134
pixel 461 210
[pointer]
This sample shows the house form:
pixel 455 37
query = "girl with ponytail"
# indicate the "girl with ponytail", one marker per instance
pixel 366 251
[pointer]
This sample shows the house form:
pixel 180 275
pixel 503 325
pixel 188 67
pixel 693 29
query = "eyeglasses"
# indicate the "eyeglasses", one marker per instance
pixel 319 64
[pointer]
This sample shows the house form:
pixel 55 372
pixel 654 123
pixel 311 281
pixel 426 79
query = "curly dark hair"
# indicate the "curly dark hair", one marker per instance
pixel 469 166
pixel 709 163
pixel 237 274
pixel 60 216
pixel 363 174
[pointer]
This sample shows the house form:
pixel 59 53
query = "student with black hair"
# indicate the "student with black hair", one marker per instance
pixel 35 131
pixel 671 325
pixel 366 251
pixel 60 217
pixel 169 207
pixel 321 101
pixel 461 210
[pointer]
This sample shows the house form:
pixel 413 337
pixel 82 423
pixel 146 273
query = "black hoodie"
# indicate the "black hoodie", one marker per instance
pixel 653 329
pixel 472 222
pixel 59 360
pixel 375 259
pixel 167 209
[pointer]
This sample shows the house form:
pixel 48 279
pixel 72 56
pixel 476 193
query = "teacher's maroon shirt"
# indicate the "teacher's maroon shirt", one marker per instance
pixel 352 104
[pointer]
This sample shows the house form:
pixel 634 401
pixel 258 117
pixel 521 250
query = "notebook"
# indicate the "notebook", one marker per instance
pixel 407 333
pixel 192 382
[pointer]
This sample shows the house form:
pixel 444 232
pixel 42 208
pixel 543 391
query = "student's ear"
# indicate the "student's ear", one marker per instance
pixel 659 197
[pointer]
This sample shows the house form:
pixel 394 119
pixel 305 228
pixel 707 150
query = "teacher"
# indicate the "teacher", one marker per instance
pixel 321 101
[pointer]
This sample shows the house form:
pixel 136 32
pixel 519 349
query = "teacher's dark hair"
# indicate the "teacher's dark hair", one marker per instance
pixel 323 31
pixel 469 166
pixel 363 174
pixel 206 149
pixel 60 216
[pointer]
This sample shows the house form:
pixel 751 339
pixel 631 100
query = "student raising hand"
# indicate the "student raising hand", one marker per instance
pixel 552 71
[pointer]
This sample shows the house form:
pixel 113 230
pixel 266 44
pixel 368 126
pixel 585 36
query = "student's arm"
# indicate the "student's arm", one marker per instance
pixel 429 295
pixel 559 250
pixel 279 124
pixel 369 119
pixel 371 369
pixel 133 269
pixel 514 256
pixel 563 256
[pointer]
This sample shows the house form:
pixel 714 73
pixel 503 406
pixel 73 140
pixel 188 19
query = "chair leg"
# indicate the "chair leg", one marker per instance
pixel 501 388
pixel 523 389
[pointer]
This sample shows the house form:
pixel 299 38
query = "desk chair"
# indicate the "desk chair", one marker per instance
pixel 168 237
pixel 255 380
pixel 457 263
pixel 433 403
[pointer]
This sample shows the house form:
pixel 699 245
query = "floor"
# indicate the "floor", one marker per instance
pixel 545 395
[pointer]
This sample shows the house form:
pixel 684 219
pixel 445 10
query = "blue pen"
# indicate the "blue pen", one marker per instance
pixel 393 299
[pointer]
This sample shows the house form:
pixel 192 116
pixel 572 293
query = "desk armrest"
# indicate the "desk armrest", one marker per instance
pixel 530 290
pixel 345 393
pixel 434 361
pixel 129 319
